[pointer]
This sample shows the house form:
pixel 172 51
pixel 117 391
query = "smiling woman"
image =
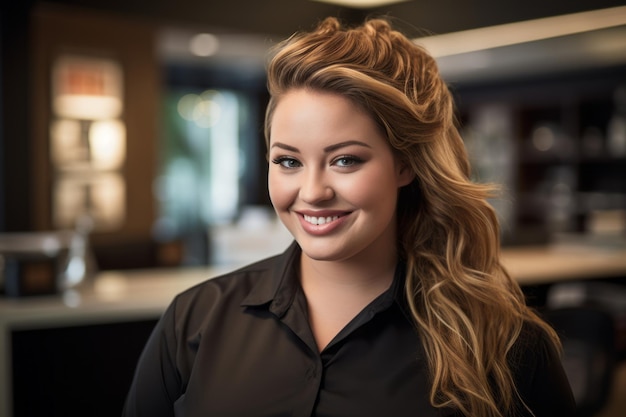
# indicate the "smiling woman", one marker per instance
pixel 384 304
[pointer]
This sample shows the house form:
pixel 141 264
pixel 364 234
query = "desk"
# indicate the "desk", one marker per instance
pixel 123 296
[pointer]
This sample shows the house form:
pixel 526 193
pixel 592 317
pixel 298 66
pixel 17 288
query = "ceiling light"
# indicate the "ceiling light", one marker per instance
pixel 522 32
pixel 361 4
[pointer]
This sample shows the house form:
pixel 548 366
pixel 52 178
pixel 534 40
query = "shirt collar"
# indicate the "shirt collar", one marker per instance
pixel 398 291
pixel 395 293
pixel 276 290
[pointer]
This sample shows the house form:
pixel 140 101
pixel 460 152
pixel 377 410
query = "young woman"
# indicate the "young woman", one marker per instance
pixel 392 300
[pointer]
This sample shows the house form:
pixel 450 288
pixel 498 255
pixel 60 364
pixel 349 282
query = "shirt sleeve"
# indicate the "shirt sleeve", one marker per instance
pixel 157 383
pixel 542 381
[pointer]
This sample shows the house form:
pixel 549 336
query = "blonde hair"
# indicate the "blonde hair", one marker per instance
pixel 448 233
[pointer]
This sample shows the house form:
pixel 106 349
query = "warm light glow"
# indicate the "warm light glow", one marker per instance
pixel 187 104
pixel 361 4
pixel 208 111
pixel 204 44
pixel 65 142
pixel 204 109
pixel 102 196
pixel 107 142
pixel 109 201
pixel 87 107
pixel 87 144
pixel 86 88
pixel 68 202
pixel 522 32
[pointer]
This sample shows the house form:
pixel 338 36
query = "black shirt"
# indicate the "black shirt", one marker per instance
pixel 240 345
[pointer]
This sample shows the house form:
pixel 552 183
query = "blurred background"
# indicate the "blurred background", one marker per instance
pixel 146 116
pixel 131 140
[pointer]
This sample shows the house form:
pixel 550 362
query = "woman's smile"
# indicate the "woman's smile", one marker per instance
pixel 319 220
pixel 322 224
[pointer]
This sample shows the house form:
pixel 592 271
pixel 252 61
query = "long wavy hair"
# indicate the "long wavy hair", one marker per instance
pixel 448 233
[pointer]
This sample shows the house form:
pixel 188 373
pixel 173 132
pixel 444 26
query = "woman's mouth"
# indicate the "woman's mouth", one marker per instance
pixel 319 220
pixel 322 225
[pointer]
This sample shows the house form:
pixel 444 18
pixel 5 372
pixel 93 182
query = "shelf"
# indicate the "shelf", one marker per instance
pixel 565 170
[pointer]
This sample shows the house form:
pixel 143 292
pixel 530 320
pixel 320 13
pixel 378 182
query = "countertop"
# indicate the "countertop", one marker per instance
pixel 132 294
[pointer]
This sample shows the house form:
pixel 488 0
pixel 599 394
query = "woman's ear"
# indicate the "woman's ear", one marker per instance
pixel 404 174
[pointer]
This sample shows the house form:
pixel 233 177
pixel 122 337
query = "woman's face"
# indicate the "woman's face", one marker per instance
pixel 333 179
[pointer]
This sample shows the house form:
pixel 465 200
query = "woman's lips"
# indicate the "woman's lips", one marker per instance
pixel 318 221
pixel 321 224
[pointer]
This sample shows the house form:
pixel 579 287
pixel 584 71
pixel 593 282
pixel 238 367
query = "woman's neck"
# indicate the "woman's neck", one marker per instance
pixel 337 291
pixel 352 275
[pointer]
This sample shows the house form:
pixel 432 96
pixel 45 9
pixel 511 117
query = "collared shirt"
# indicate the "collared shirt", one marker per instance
pixel 241 345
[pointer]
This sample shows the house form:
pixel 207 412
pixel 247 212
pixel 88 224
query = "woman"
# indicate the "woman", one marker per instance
pixel 392 301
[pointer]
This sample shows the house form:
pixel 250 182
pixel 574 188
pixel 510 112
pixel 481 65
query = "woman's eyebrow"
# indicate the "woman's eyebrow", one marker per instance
pixel 284 146
pixel 327 149
pixel 340 145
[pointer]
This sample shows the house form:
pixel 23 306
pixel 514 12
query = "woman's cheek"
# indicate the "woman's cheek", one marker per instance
pixel 279 191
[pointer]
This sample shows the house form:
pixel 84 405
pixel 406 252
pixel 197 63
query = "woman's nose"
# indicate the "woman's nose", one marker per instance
pixel 315 187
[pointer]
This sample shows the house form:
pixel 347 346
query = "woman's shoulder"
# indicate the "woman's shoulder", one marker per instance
pixel 254 283
pixel 534 347
pixel 538 371
pixel 217 301
pixel 534 335
pixel 236 282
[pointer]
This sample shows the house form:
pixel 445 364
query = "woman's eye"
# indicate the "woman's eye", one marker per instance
pixel 347 161
pixel 286 162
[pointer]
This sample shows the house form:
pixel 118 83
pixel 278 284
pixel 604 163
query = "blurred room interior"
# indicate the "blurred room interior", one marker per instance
pixel 132 165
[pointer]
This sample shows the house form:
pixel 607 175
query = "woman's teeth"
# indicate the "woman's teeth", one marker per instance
pixel 319 220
